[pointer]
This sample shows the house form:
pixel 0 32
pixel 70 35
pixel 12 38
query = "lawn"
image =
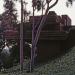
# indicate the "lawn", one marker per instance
pixel 3 74
pixel 64 65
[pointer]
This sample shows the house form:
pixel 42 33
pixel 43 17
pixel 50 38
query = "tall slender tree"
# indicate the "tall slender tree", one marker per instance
pixel 37 5
pixel 9 4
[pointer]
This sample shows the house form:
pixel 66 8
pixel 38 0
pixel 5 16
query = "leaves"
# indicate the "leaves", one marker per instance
pixel 34 3
pixel 69 2
pixel 39 5
pixel 9 17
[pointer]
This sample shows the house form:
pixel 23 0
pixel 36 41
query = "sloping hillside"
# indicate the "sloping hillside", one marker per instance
pixel 64 65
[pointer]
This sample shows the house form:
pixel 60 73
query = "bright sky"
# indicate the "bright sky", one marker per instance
pixel 60 9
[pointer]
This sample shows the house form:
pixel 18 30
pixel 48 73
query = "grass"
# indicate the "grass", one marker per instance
pixel 3 73
pixel 64 65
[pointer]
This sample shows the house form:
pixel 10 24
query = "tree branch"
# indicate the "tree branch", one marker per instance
pixel 53 4
pixel 43 21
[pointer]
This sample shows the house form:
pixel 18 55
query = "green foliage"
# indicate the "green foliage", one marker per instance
pixel 38 5
pixel 63 65
pixel 69 2
pixel 10 12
